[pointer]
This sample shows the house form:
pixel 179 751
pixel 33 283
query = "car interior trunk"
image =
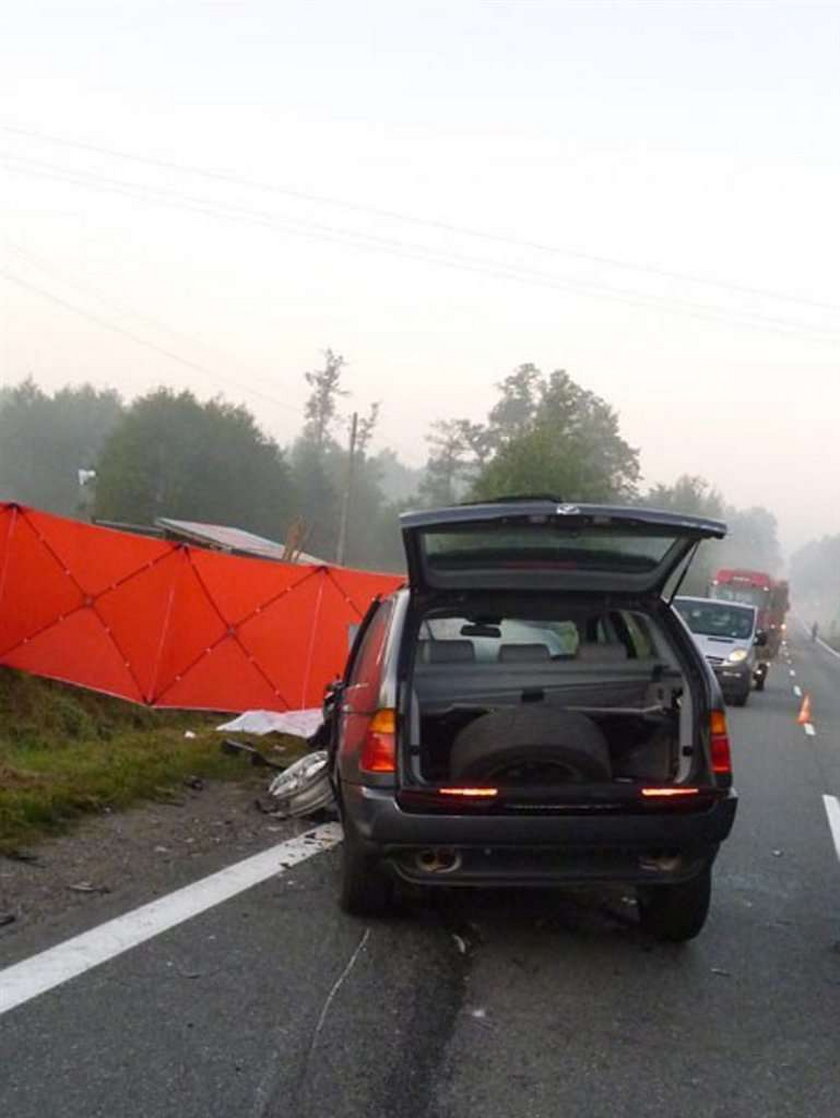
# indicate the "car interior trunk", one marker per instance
pixel 611 668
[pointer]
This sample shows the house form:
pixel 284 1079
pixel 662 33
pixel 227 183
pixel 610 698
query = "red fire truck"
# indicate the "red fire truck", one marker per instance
pixel 756 588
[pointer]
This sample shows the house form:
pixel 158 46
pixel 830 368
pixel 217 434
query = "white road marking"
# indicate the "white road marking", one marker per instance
pixel 57 965
pixel 809 729
pixel 827 648
pixel 797 690
pixel 832 810
pixel 820 641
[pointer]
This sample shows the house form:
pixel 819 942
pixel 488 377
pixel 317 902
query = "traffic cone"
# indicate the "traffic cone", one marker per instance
pixel 804 711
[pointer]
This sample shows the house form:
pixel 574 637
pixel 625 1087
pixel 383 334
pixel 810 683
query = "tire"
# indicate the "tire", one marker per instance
pixel 759 683
pixel 676 913
pixel 566 747
pixel 741 700
pixel 366 890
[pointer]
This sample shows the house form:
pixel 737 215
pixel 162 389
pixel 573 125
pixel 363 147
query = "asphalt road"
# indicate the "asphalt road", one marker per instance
pixel 273 1003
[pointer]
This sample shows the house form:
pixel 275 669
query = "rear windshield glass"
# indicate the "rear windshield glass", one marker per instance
pixel 714 619
pixel 543 547
pixel 609 637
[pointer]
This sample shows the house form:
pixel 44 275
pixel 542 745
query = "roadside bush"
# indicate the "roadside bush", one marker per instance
pixel 65 752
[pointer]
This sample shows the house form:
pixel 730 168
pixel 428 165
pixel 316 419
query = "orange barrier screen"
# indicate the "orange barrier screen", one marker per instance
pixel 169 625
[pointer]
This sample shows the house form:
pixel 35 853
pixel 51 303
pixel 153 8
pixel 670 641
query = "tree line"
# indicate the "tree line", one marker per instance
pixel 85 452
pixel 815 578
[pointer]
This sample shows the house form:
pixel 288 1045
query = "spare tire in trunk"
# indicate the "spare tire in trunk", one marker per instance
pixel 531 745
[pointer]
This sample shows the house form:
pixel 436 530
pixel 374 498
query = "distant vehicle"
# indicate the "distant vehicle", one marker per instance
pixel 756 588
pixel 727 634
pixel 530 711
pixel 775 624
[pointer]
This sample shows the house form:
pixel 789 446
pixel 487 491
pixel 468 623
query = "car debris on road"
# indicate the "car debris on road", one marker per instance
pixel 88 887
pixel 255 756
pixel 303 788
pixel 300 789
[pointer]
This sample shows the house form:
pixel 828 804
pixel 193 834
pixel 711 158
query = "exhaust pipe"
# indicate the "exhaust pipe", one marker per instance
pixel 661 863
pixel 436 860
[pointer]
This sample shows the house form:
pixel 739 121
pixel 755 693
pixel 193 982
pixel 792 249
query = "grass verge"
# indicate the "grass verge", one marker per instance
pixel 65 752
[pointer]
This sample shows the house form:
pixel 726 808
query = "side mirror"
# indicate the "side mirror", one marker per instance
pixel 760 638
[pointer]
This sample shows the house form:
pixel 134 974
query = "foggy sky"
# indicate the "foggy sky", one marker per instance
pixel 692 141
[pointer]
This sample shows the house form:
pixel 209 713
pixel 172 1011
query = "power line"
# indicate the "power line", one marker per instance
pixel 100 320
pixel 414 219
pixel 50 268
pixel 517 273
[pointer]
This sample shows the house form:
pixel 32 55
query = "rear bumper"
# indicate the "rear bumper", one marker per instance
pixel 537 849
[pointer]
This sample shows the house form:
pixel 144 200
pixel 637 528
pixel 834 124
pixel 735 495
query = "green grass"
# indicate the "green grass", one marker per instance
pixel 65 752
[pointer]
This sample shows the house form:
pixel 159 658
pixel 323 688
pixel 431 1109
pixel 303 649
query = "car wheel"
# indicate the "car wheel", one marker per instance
pixel 741 700
pixel 530 744
pixel 366 890
pixel 676 913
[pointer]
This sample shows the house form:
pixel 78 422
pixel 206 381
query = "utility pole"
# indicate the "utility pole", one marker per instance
pixel 345 503
pixel 87 480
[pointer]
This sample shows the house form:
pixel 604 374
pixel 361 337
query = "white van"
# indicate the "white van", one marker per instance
pixel 727 634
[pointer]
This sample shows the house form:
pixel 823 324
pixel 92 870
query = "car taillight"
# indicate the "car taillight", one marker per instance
pixel 665 792
pixel 379 748
pixel 480 793
pixel 719 737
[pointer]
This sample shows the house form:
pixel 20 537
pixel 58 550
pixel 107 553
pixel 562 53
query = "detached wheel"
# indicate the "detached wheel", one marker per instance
pixel 366 890
pixel 676 913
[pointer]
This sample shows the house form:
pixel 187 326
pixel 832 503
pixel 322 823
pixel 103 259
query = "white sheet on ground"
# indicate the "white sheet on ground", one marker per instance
pixel 302 723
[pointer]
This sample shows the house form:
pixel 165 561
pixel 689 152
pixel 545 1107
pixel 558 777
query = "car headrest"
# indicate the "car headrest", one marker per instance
pixel 594 653
pixel 523 653
pixel 450 652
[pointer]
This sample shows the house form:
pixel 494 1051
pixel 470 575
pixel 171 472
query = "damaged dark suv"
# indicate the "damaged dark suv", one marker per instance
pixel 530 711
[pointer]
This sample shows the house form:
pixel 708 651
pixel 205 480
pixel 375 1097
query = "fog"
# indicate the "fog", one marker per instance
pixel 643 195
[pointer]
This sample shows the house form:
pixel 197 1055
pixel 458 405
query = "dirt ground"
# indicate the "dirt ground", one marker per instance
pixel 110 862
